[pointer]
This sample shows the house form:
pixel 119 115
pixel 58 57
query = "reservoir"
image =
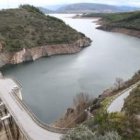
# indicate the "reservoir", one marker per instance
pixel 50 83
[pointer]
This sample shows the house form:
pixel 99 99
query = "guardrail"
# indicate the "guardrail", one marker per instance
pixel 35 118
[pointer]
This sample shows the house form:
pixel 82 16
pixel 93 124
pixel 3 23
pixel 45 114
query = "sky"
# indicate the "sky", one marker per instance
pixel 15 3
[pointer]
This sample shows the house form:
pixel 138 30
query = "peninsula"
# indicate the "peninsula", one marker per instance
pixel 27 34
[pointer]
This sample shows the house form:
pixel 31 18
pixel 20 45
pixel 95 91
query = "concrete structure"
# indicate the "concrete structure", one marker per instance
pixel 31 128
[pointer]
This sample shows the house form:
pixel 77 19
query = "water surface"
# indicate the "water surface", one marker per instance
pixel 49 84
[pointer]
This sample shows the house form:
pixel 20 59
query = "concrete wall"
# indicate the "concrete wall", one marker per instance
pixel 8 128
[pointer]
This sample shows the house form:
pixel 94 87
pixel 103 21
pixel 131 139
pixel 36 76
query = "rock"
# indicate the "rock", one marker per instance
pixel 37 52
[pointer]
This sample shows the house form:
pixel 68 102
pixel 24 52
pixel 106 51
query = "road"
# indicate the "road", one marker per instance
pixel 27 125
pixel 117 104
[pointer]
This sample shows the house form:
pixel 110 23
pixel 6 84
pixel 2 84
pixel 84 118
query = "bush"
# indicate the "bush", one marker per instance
pixel 79 133
pixel 109 136
pixel 31 8
pixel 126 126
pixel 77 114
pixel 83 133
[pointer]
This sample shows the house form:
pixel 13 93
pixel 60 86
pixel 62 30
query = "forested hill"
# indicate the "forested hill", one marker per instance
pixel 28 27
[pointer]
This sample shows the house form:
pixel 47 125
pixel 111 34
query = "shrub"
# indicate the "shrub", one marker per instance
pixel 83 133
pixel 79 133
pixel 109 136
pixel 31 8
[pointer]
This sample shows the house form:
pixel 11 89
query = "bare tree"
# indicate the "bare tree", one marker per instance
pixel 119 83
pixel 81 102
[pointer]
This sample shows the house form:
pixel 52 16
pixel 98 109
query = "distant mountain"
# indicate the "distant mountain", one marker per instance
pixel 54 7
pixel 92 7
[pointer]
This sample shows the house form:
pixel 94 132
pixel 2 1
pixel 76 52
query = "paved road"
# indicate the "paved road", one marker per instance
pixel 25 122
pixel 117 104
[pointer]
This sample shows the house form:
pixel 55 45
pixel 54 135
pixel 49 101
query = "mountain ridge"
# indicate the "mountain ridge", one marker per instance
pixel 90 7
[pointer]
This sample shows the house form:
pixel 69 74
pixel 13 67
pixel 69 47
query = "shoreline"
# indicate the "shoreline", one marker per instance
pixel 103 26
pixel 99 21
pixel 98 101
pixel 32 54
pixel 125 31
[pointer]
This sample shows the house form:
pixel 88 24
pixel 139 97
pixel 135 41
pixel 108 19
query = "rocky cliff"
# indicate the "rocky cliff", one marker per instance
pixel 31 54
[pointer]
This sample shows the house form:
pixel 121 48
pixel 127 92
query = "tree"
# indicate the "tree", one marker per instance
pixel 119 83
pixel 81 102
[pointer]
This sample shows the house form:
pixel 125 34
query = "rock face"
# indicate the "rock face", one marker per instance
pixel 38 52
pixel 131 32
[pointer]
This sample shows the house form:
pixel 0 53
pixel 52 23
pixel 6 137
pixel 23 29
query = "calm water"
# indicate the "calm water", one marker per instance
pixel 49 84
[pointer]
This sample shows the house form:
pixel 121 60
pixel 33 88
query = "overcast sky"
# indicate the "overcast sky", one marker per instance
pixel 15 3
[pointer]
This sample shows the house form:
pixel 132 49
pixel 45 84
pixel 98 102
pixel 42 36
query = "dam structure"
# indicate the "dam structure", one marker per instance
pixel 17 122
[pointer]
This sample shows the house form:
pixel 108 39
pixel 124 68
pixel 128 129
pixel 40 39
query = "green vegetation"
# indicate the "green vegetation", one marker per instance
pixel 132 103
pixel 28 27
pixel 119 125
pixel 124 20
pixel 31 9
pixel 130 20
pixel 112 126
pixel 84 133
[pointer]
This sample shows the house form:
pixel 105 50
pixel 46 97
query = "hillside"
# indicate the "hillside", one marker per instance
pixel 128 23
pixel 92 7
pixel 132 102
pixel 27 27
pixel 124 125
pixel 123 20
pixel 27 34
